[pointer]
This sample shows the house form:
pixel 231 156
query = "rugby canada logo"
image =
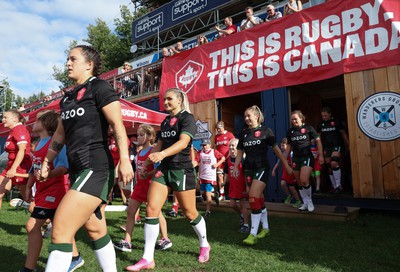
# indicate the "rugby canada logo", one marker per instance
pixel 190 73
pixel 378 115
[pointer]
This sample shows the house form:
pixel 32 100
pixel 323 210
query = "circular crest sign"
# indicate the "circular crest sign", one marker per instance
pixel 379 116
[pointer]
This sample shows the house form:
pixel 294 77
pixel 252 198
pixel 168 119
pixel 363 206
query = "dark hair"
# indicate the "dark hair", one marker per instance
pixel 327 110
pixel 91 54
pixel 49 119
pixel 17 114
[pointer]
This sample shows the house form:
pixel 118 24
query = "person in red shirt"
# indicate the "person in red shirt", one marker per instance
pixel 222 145
pixel 230 28
pixel 18 146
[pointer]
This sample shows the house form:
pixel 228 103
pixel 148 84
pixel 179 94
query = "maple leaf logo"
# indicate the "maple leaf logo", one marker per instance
pixel 187 77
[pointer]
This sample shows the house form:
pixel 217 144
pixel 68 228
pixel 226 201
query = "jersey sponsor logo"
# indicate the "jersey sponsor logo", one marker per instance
pixel 252 143
pixel 65 115
pixel 257 133
pixel 173 121
pixel 303 130
pixel 80 94
pixel 167 134
pixel 298 138
pixel 328 129
pixel 221 143
pixel 378 115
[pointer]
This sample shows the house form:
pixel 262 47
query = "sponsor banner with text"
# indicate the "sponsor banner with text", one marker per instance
pixel 315 44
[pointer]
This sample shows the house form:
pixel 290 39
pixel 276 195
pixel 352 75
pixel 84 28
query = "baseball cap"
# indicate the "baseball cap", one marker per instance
pixel 205 141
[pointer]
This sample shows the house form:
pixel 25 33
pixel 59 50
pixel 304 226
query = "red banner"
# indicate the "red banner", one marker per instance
pixel 317 43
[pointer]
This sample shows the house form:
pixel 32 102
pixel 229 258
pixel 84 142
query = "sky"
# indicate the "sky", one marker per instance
pixel 34 35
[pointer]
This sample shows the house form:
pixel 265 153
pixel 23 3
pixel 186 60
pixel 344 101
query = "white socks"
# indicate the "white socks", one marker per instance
pixel 59 261
pixel 151 232
pixel 106 258
pixel 201 231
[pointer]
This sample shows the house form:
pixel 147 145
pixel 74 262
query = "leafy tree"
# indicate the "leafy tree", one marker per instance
pixel 61 73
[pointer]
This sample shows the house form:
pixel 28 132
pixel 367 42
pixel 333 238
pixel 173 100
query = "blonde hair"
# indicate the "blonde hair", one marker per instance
pixel 235 142
pixel 257 112
pixel 149 131
pixel 18 115
pixel 182 95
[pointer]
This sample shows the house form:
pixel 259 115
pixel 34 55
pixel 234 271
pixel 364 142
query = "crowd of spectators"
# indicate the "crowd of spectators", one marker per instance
pixel 131 83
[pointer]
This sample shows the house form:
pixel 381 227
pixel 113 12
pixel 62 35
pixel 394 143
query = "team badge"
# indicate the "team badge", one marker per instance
pixel 333 123
pixel 80 94
pixel 303 130
pixel 293 165
pixel 257 133
pixel 158 174
pixel 378 115
pixel 173 121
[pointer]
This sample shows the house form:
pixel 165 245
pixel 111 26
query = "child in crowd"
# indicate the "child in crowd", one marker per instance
pixel 237 188
pixel 316 173
pixel 146 137
pixel 208 159
pixel 288 182
pixel 48 193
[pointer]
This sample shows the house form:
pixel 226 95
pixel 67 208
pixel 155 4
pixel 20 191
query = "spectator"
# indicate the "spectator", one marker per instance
pixel 209 160
pixel 230 28
pixel 292 6
pixel 272 14
pixel 127 80
pixel 250 20
pixel 177 48
pixel 21 107
pixel 165 53
pixel 201 40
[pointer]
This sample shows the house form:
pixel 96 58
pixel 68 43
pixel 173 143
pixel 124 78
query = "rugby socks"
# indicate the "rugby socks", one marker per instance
pixel 222 193
pixel 264 218
pixel 308 191
pixel 105 253
pixel 59 258
pixel 303 194
pixel 333 182
pixel 337 176
pixel 199 226
pixel 151 231
pixel 255 222
pixel 175 207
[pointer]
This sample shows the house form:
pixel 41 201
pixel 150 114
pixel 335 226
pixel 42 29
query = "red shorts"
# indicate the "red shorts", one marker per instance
pixel 317 166
pixel 140 191
pixel 23 168
pixel 237 189
pixel 290 179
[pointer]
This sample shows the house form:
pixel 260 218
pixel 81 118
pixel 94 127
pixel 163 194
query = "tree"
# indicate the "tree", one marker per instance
pixel 61 73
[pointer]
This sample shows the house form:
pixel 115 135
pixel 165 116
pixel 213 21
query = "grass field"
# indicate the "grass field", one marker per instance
pixel 369 243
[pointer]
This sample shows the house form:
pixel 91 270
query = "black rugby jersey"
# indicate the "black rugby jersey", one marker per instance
pixel 300 139
pixel 330 132
pixel 171 128
pixel 85 125
pixel 254 142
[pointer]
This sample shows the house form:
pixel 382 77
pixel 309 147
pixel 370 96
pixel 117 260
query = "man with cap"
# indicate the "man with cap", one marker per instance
pixel 208 160
pixel 222 145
